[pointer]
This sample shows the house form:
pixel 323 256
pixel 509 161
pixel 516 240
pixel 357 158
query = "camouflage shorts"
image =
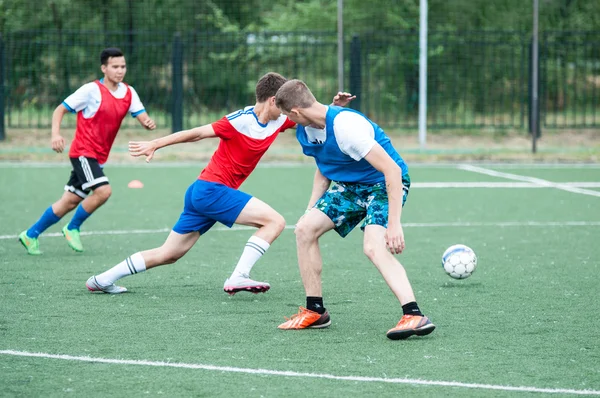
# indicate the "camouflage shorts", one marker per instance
pixel 347 204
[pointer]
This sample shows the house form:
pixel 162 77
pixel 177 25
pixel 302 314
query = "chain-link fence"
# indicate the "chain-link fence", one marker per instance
pixel 570 79
pixel 477 79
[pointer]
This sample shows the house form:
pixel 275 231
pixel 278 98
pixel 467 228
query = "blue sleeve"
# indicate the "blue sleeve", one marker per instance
pixel 68 107
pixel 136 114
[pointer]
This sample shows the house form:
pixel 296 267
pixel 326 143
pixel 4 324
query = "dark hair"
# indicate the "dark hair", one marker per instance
pixel 268 85
pixel 110 52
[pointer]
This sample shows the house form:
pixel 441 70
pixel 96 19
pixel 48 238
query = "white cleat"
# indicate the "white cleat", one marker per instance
pixel 244 284
pixel 93 286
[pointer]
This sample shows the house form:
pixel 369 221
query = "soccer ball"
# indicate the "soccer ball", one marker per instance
pixel 459 261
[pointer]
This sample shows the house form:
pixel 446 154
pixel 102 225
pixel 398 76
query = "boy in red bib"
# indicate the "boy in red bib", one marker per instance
pixel 100 106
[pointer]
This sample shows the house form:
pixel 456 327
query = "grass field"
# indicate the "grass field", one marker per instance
pixel 526 323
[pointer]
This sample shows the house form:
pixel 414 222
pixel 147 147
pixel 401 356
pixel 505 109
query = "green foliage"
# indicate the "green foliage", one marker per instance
pixel 382 15
pixel 287 15
pixel 359 16
pixel 52 48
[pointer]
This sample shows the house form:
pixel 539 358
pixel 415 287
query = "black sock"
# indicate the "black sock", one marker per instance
pixel 315 304
pixel 411 309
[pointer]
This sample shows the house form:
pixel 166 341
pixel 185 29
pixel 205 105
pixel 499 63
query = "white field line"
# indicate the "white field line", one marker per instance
pixel 405 225
pixel 541 165
pixel 114 232
pixel 269 372
pixel 538 181
pixel 477 184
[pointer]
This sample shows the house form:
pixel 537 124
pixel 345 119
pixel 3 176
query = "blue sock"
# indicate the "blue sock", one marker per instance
pixel 80 216
pixel 46 221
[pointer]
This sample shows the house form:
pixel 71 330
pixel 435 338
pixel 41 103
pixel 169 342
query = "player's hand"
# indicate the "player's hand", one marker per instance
pixel 149 124
pixel 58 143
pixel 142 148
pixel 343 98
pixel 394 238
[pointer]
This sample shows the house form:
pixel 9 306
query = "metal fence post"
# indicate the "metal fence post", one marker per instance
pixel 355 75
pixel 534 105
pixel 177 84
pixel 2 119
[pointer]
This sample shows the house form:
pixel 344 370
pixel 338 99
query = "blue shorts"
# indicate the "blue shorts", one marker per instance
pixel 206 203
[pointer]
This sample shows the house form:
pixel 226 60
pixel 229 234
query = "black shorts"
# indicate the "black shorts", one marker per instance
pixel 86 176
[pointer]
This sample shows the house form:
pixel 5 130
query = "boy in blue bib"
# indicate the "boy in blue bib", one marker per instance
pixel 360 176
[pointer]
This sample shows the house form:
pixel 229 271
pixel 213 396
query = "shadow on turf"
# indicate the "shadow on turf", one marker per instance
pixel 461 285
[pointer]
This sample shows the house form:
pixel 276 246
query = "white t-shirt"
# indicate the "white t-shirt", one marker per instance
pixel 354 134
pixel 87 98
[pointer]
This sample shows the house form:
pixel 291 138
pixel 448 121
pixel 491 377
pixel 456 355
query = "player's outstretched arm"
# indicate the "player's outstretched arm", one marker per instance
pixel 58 142
pixel 146 121
pixel 378 158
pixel 147 148
pixel 342 98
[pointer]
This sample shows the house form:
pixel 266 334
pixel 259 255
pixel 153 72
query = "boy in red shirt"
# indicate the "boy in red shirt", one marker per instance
pixel 244 136
pixel 100 106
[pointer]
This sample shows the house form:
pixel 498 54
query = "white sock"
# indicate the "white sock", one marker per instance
pixel 255 248
pixel 131 265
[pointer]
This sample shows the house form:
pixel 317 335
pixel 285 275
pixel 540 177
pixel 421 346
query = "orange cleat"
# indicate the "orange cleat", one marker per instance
pixel 306 319
pixel 409 325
